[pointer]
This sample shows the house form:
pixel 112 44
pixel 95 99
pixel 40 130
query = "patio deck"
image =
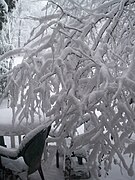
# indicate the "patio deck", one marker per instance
pixel 50 173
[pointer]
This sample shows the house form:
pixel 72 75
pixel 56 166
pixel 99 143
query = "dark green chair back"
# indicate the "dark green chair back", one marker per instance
pixel 33 150
pixel 2 143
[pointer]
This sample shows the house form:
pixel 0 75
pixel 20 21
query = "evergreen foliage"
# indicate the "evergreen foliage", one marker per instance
pixel 6 6
pixel 11 4
pixel 3 15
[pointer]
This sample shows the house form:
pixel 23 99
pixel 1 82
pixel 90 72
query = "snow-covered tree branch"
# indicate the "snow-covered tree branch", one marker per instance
pixel 78 69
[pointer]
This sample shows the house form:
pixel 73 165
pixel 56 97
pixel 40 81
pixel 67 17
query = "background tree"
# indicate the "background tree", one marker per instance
pixel 21 21
pixel 78 70
pixel 6 8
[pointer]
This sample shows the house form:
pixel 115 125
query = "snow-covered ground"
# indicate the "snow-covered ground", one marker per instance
pixel 115 174
pixel 52 173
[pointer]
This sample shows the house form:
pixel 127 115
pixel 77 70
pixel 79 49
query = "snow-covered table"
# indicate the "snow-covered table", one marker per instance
pixel 8 129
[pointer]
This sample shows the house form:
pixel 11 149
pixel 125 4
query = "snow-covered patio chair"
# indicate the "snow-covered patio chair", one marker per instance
pixel 26 159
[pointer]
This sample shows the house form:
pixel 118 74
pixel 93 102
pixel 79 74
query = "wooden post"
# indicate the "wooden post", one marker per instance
pixel 80 162
pixel 19 139
pixel 12 141
pixel 2 143
pixel 57 159
pixel 68 168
